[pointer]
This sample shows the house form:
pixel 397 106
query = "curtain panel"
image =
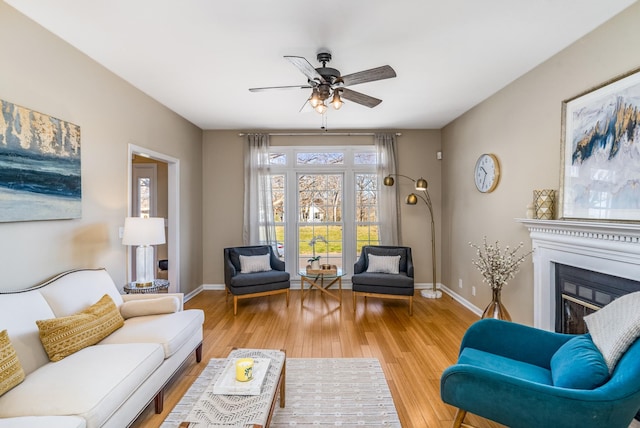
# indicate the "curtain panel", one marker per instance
pixel 259 226
pixel 389 205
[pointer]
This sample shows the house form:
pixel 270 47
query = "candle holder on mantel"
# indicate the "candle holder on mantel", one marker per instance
pixel 544 201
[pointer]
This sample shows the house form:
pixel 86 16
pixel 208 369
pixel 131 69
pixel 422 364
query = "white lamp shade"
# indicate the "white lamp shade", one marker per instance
pixel 143 231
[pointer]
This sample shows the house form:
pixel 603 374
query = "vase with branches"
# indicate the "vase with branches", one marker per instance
pixel 497 267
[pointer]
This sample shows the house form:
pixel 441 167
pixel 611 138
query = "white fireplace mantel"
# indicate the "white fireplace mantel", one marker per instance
pixel 610 248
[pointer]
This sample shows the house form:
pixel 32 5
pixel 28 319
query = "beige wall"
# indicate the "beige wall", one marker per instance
pixel 223 192
pixel 41 72
pixel 521 125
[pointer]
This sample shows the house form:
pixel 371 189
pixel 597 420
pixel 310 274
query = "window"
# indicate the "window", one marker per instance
pixel 325 203
pixel 366 219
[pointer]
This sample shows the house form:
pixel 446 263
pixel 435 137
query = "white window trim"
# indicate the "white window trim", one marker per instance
pixel 348 169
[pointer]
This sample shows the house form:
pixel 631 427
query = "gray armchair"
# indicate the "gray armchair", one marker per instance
pixel 255 284
pixel 385 285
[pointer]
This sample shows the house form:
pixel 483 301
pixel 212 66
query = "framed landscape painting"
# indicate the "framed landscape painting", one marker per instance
pixel 600 177
pixel 39 166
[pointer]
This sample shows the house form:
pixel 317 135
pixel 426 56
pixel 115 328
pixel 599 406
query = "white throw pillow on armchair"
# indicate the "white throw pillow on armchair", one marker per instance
pixel 249 264
pixel 615 327
pixel 383 264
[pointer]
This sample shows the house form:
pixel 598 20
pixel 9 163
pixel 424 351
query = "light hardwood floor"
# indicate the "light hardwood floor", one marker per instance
pixel 413 350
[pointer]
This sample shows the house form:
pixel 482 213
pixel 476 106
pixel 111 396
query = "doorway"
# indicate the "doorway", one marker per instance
pixel 153 183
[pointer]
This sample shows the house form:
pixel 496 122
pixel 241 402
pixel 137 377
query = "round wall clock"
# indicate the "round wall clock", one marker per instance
pixel 487 173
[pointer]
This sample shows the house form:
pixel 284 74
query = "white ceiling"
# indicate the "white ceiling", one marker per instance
pixel 199 57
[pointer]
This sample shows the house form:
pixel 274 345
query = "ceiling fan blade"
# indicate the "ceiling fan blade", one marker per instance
pixel 305 67
pixel 279 87
pixel 379 73
pixel 306 107
pixel 359 98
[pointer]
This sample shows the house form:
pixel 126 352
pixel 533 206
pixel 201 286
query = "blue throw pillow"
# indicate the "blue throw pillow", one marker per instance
pixel 578 364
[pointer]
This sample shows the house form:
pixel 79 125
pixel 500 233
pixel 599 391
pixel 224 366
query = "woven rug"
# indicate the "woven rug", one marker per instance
pixel 320 392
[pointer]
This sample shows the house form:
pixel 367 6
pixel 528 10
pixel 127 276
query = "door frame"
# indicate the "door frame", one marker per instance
pixel 173 220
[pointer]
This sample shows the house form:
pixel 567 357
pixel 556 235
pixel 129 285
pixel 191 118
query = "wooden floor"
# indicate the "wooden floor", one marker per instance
pixel 413 350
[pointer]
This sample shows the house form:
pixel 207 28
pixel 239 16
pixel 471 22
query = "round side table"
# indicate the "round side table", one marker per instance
pixel 157 285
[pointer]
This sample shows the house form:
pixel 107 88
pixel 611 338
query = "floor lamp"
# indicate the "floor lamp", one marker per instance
pixel 421 186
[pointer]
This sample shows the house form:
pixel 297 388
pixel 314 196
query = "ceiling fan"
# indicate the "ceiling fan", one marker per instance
pixel 326 82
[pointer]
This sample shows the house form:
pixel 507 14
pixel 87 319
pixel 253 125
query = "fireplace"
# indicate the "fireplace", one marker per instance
pixel 580 292
pixel 601 248
pixel 608 252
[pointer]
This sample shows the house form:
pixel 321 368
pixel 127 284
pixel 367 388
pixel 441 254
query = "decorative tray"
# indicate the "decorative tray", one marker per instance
pixel 331 271
pixel 228 385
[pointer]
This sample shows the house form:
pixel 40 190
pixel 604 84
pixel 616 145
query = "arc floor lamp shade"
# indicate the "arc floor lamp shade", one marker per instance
pixel 144 232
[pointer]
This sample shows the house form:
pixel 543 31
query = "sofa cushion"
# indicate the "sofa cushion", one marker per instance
pixel 249 264
pixel 383 279
pixel 234 254
pixel 43 422
pixel 64 336
pixel 92 383
pixel 579 365
pixel 20 323
pixel 383 264
pixel 505 366
pixel 171 331
pixel 143 307
pixel 615 327
pixel 74 291
pixel 11 373
pixel 259 278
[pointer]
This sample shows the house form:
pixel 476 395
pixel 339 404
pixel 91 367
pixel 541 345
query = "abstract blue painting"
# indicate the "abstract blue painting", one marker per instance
pixel 601 153
pixel 39 166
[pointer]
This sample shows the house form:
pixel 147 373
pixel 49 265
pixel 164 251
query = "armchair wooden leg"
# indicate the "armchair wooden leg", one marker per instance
pixel 354 301
pixel 411 306
pixel 287 298
pixel 235 305
pixel 458 422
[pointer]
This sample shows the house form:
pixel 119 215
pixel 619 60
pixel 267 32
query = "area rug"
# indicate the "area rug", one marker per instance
pixel 342 392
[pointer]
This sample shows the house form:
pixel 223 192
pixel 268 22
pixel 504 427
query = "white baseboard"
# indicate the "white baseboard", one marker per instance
pixel 192 294
pixel 217 287
pixel 464 302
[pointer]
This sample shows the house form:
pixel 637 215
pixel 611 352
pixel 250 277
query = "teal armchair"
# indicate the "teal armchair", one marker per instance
pixel 510 373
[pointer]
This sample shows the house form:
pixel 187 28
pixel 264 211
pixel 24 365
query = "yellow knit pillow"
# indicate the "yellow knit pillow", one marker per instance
pixel 11 372
pixel 63 336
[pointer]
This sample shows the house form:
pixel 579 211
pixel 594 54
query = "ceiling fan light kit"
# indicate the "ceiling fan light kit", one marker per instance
pixel 326 82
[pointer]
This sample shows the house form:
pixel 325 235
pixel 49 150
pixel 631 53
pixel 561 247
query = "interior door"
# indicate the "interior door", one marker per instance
pixel 144 196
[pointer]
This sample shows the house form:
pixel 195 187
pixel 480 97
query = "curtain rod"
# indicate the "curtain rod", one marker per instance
pixel 313 134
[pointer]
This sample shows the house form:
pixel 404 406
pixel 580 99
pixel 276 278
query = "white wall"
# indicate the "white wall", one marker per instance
pixel 43 73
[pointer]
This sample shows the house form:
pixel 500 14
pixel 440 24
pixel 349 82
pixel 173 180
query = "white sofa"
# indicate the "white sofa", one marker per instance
pixel 104 385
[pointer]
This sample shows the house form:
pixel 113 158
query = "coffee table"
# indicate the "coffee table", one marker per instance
pixel 316 279
pixel 256 411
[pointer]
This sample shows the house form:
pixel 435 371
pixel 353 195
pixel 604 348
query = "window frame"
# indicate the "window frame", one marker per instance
pixel 292 170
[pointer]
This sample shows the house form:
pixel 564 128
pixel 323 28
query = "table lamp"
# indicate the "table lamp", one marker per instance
pixel 144 232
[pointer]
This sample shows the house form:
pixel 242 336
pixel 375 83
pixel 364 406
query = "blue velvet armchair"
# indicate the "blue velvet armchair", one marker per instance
pixel 508 373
